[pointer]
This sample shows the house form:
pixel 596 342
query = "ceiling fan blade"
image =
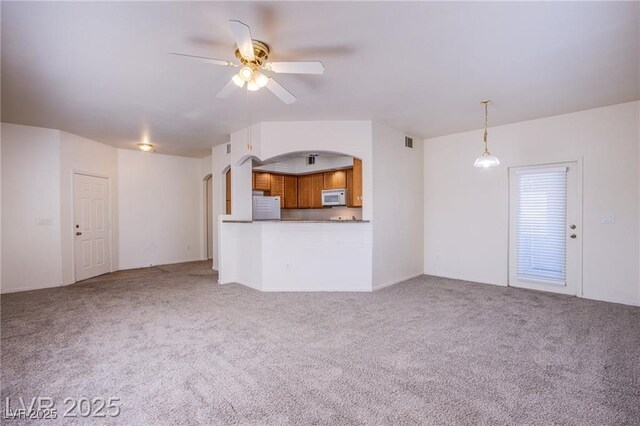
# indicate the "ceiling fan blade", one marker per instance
pixel 204 59
pixel 242 36
pixel 280 92
pixel 227 90
pixel 296 67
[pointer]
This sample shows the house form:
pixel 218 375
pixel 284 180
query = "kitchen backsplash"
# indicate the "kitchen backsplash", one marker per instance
pixel 321 214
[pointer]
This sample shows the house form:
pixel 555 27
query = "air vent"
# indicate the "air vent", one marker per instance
pixel 408 142
pixel 311 160
pixel 228 148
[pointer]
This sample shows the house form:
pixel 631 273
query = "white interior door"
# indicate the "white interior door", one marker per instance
pixel 545 228
pixel 91 226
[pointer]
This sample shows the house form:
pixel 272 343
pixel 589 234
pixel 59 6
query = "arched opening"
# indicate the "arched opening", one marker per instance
pixel 226 189
pixel 208 215
pixel 311 185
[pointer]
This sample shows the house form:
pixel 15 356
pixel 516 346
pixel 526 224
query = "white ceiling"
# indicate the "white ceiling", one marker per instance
pixel 101 70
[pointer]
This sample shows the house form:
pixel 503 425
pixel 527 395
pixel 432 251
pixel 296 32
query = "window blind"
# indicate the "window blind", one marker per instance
pixel 541 224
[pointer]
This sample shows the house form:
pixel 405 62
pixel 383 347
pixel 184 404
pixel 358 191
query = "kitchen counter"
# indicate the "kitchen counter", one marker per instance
pixel 295 221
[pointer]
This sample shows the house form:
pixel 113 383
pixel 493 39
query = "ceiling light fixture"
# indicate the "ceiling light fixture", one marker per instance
pixel 145 146
pixel 486 159
pixel 260 79
pixel 237 80
pixel 245 73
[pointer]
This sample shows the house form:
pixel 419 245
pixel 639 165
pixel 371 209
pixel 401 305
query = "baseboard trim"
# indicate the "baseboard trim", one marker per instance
pixel 613 300
pixel 390 283
pixel 251 286
pixel 598 299
pixel 315 290
pixel 471 280
pixel 155 265
pixel 18 290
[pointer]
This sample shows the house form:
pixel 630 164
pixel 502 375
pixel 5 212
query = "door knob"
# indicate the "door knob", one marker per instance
pixel 572 227
pixel 78 233
pixel 573 236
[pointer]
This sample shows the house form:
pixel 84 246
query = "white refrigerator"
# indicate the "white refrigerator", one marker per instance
pixel 266 208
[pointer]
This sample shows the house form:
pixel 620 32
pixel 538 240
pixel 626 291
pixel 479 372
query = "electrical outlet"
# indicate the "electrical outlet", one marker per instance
pixel 188 247
pixel 287 267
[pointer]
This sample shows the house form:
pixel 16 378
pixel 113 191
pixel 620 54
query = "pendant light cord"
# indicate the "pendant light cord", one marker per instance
pixel 486 114
pixel 486 121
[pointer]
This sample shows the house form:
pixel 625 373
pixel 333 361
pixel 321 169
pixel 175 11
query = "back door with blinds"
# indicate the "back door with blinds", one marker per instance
pixel 545 228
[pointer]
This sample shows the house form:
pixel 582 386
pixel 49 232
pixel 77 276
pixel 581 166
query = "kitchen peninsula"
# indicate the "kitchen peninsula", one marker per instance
pixel 306 250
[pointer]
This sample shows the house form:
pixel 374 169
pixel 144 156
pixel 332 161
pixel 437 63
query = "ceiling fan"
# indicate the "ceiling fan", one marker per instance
pixel 253 56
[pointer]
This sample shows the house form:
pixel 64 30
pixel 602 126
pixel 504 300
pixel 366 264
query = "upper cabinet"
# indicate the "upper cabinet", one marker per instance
pixel 262 181
pixel 354 184
pixel 228 192
pixel 310 191
pixel 305 191
pixel 290 192
pixel 277 188
pixel 335 179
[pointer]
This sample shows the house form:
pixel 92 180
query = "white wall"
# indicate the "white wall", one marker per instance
pixel 220 163
pixel 205 170
pixel 398 244
pixel 466 209
pixel 30 208
pixel 162 208
pixel 78 154
pixel 160 214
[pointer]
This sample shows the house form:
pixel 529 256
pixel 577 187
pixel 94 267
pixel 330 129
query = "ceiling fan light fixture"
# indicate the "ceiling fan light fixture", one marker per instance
pixel 260 79
pixel 245 73
pixel 145 146
pixel 486 160
pixel 252 85
pixel 237 80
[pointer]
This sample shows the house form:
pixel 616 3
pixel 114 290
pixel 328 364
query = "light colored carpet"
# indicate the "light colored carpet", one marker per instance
pixel 179 349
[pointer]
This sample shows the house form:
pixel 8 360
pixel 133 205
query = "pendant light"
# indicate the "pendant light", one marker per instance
pixel 486 159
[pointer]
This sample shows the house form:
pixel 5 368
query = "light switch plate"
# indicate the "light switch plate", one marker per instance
pixel 44 221
pixel 609 219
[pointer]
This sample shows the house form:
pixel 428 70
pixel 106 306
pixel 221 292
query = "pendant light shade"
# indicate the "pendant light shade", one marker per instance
pixel 486 159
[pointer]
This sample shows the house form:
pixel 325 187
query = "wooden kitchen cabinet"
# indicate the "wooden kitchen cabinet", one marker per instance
pixel 310 191
pixel 290 192
pixel 262 181
pixel 277 188
pixel 354 184
pixel 335 180
pixel 228 192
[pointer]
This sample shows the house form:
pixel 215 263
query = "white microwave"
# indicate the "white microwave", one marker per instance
pixel 334 197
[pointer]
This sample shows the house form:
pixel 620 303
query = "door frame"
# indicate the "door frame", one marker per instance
pixel 207 207
pixel 75 172
pixel 579 219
